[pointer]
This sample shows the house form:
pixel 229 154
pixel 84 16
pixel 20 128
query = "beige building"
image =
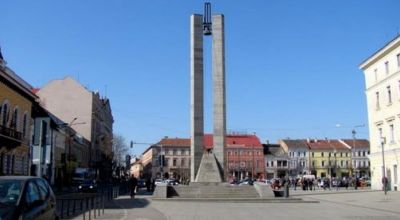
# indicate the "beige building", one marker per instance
pixel 382 82
pixel 87 113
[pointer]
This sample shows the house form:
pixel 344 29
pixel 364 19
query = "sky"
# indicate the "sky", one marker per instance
pixel 292 67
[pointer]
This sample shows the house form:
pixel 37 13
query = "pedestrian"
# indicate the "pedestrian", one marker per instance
pixel 132 185
pixel 148 184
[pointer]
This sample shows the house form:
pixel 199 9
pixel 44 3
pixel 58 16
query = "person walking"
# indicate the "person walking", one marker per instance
pixel 132 185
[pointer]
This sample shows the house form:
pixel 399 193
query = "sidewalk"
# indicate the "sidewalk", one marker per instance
pixel 123 208
pixel 320 191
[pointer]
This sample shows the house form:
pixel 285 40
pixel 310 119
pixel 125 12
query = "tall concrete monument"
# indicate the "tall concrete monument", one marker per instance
pixel 207 166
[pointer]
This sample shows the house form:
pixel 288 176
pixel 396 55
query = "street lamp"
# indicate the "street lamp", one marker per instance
pixel 384 179
pixel 353 132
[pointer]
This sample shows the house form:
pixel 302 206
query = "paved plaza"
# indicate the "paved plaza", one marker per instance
pixel 349 204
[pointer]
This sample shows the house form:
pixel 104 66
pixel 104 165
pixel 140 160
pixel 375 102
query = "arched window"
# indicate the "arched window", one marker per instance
pixel 24 124
pixel 14 119
pixel 4 114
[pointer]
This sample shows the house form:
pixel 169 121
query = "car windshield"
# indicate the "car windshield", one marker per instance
pixel 78 175
pixel 10 191
pixel 87 181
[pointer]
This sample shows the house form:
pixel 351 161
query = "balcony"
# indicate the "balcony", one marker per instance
pixel 10 137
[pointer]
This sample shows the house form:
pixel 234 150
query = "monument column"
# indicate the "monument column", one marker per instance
pixel 197 93
pixel 218 68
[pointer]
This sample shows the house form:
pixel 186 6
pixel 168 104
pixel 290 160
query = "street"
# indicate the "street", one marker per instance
pixel 332 205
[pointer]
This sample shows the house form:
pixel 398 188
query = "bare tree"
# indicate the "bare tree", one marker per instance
pixel 120 149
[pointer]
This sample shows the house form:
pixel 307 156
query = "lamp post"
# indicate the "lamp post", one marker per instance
pixel 384 179
pixel 353 132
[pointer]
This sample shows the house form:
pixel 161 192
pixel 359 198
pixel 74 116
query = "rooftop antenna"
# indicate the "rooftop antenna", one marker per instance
pixel 207 26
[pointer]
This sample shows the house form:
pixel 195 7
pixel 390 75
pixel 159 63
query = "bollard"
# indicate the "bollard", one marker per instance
pixel 98 206
pixel 73 207
pixel 286 190
pixel 67 207
pixel 102 199
pixel 62 208
pixel 83 212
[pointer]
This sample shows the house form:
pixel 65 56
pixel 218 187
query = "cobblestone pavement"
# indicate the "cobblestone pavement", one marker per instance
pixel 365 204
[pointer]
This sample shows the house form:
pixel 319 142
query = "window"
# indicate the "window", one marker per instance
pixel 347 154
pixel 32 193
pixel 398 60
pixel 341 163
pixel 312 154
pixel 377 100
pixel 313 163
pixel 24 124
pixel 387 67
pixel 376 74
pixel 389 93
pixel 341 154
pixel 322 154
pixel 391 128
pixel 44 191
pixel 298 154
pixel 323 163
pixel 174 162
pixel 4 114
pixel 347 163
pixel 14 119
pixel 363 153
pixel 182 162
pixel 329 154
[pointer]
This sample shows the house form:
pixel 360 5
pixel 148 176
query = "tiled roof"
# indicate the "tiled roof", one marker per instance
pixel 177 142
pixel 35 90
pixel 231 140
pixel 298 144
pixel 357 142
pixel 327 145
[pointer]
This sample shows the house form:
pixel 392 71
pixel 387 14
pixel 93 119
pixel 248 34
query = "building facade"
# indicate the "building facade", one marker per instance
pixel 170 157
pixel 86 113
pixel 298 152
pixel 244 156
pixel 276 161
pixel 327 158
pixel 382 82
pixel 16 100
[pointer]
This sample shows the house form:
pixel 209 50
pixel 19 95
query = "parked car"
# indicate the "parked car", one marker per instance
pixel 26 197
pixel 246 182
pixel 87 185
pixel 141 183
pixel 158 181
pixel 172 182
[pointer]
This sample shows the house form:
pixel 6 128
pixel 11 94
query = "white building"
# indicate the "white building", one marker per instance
pixel 382 80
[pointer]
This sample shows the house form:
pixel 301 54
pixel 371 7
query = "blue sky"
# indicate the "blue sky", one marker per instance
pixel 291 66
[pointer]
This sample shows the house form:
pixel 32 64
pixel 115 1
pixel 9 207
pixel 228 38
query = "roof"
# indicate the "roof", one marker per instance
pixel 356 143
pixel 17 82
pixel 231 140
pixel 298 144
pixel 375 56
pixel 327 145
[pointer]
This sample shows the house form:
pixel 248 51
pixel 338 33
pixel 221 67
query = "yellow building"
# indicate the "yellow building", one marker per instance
pixel 16 100
pixel 329 158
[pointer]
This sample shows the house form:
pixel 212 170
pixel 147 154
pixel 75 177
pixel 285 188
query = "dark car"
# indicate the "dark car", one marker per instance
pixel 26 197
pixel 88 185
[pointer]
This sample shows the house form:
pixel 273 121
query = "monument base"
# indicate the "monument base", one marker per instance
pixel 209 171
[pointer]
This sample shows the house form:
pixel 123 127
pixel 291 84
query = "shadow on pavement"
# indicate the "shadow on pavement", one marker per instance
pixel 127 203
